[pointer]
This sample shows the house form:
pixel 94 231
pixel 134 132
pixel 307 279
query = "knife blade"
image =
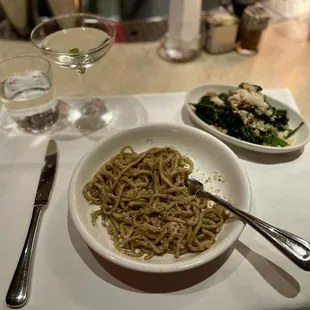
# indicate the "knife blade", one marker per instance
pixel 19 289
pixel 47 174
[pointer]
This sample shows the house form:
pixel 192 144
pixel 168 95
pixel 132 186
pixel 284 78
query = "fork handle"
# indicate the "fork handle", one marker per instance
pixel 292 246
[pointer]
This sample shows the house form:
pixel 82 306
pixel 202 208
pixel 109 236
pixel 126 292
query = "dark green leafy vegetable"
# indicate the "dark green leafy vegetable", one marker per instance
pixel 292 131
pixel 273 140
pixel 279 119
pixel 227 119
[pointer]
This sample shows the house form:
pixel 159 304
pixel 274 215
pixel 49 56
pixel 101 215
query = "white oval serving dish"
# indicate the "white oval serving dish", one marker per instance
pixel 301 137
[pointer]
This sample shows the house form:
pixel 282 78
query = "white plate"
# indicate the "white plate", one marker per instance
pixel 209 155
pixel 301 137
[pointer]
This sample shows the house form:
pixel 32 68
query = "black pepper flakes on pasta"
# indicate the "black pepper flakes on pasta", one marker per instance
pixel 146 208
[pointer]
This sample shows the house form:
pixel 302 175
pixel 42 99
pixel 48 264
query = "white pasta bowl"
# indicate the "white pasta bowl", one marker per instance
pixel 209 154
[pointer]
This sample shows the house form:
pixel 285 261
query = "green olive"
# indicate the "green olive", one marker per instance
pixel 74 50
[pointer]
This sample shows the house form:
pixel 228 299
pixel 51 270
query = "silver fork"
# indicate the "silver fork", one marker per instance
pixel 292 246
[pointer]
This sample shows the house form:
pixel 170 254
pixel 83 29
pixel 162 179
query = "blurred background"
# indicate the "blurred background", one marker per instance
pixel 137 20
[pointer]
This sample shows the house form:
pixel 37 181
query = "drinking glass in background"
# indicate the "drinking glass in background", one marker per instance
pixel 27 92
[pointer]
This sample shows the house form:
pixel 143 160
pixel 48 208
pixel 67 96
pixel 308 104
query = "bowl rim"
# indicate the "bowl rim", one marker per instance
pixel 238 142
pixel 140 265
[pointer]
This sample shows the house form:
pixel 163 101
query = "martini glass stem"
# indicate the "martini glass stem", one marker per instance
pixel 94 113
pixel 88 108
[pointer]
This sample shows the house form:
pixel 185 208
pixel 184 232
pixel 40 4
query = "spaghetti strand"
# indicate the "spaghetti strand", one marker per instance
pixel 145 206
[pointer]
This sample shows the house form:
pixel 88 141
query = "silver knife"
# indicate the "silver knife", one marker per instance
pixel 19 289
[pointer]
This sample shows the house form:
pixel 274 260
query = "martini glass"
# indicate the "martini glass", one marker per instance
pixel 78 41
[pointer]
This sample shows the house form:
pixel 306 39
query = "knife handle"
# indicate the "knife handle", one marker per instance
pixel 18 291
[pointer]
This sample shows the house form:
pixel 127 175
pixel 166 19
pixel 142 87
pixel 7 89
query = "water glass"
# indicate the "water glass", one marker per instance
pixel 27 93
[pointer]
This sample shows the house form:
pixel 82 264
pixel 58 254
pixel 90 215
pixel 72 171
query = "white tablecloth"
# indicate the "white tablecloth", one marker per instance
pixel 67 275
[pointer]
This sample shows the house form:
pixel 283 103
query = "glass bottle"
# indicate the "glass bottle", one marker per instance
pixel 182 42
pixel 254 21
